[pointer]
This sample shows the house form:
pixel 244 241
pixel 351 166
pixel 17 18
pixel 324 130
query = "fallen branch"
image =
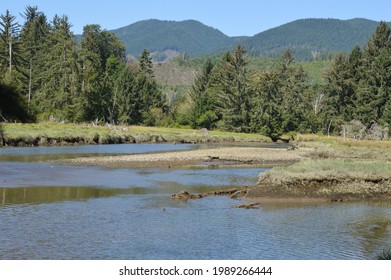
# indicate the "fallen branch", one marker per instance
pixel 247 206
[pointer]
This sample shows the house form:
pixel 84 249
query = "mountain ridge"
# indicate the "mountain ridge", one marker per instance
pixel 182 36
pixel 307 38
pixel 310 37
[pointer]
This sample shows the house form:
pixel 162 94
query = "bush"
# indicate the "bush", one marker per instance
pixel 207 120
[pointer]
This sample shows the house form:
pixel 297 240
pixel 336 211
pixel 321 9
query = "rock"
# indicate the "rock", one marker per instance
pixel 185 195
pixel 213 158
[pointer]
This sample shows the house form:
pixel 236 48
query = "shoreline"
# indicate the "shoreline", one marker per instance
pixel 59 134
pixel 295 175
pixel 227 156
pixel 316 168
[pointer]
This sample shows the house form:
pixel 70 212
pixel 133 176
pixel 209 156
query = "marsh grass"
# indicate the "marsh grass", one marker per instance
pixel 337 147
pixel 330 169
pixel 334 157
pixel 87 133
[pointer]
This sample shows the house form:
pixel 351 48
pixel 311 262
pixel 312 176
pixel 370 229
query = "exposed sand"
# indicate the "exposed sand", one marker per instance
pixel 180 158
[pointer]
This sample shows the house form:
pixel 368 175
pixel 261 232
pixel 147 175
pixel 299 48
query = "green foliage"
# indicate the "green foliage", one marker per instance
pixel 12 107
pixel 9 43
pixel 137 97
pixel 268 113
pixel 230 86
pixel 203 101
pixel 373 94
pixel 340 92
pixel 126 98
pixel 60 80
pixel 280 103
pixel 60 88
pixel 33 39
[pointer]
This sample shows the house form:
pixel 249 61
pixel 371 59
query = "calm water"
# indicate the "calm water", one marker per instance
pixel 51 211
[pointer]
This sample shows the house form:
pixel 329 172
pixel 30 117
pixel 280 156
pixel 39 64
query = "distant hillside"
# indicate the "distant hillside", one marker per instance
pixel 311 37
pixel 159 36
pixel 307 38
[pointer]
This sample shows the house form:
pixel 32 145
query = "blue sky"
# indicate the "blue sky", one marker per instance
pixel 234 18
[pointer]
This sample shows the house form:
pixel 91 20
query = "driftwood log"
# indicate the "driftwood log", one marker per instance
pixel 247 206
pixel 232 192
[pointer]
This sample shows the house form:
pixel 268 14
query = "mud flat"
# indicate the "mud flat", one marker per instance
pixel 232 155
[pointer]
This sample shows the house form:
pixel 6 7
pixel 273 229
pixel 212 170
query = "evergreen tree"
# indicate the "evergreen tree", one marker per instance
pixel 294 84
pixel 340 93
pixel 59 92
pixel 34 45
pixel 203 103
pixel 127 99
pixel 355 60
pixel 97 47
pixel 231 87
pixel 280 105
pixel 148 91
pixel 9 46
pixel 114 67
pixel 267 117
pixel 146 65
pixel 374 91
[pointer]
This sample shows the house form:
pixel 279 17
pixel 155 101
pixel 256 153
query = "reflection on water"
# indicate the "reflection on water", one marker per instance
pixel 52 211
pixel 373 230
pixel 34 154
pixel 36 195
pixel 16 174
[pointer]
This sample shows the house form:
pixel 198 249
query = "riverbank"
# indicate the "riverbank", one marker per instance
pixel 333 169
pixel 319 168
pixel 58 134
pixel 329 179
pixel 323 169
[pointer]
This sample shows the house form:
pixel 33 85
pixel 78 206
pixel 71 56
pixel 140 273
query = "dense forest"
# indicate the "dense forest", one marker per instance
pixel 159 36
pixel 61 80
pixel 311 39
pixel 308 39
pixel 45 74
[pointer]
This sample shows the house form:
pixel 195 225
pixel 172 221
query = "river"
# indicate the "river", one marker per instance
pixel 54 211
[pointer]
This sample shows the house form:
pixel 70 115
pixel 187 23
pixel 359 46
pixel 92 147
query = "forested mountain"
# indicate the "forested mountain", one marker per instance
pixel 188 36
pixel 307 38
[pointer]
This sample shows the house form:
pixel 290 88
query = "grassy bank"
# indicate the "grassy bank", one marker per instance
pixel 333 169
pixel 73 134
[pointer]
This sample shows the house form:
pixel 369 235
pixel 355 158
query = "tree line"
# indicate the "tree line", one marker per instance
pixel 57 78
pixel 53 77
pixel 355 98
